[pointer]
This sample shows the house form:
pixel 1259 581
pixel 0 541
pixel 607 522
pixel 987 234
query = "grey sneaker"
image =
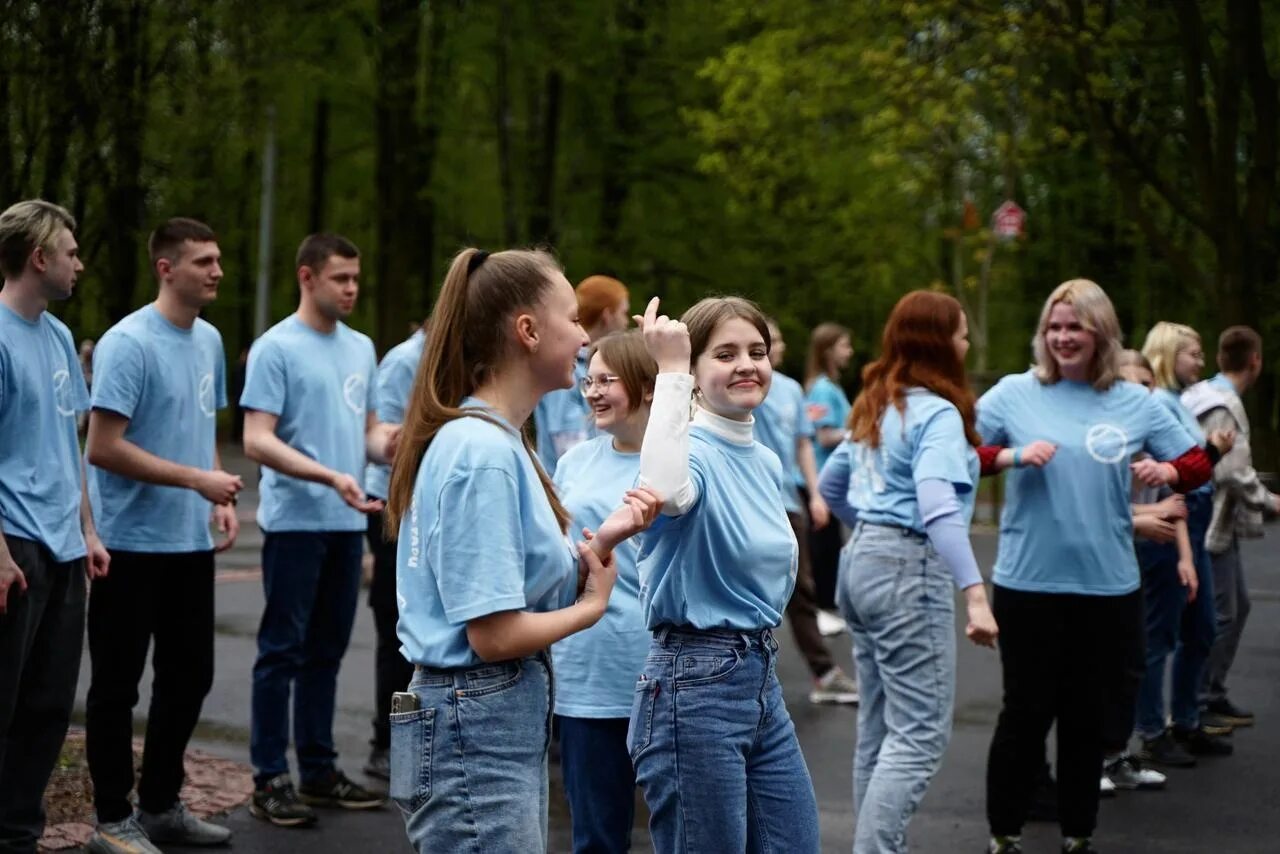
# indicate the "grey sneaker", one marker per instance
pixel 834 687
pixel 121 837
pixel 379 764
pixel 179 826
pixel 1126 772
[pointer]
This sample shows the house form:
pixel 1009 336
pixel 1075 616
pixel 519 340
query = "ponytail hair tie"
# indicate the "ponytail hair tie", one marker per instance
pixel 476 260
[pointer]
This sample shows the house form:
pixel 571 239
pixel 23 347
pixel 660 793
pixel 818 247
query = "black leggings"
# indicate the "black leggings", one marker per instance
pixel 1064 658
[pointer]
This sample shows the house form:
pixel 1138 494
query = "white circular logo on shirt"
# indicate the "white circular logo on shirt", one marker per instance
pixel 353 392
pixel 62 392
pixel 1107 443
pixel 205 395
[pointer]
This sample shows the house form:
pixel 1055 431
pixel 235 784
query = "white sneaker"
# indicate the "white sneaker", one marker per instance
pixel 834 687
pixel 1106 787
pixel 829 624
pixel 1126 772
pixel 121 837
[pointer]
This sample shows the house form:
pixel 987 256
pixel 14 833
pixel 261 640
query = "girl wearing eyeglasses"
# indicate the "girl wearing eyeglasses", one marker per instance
pixel 596 669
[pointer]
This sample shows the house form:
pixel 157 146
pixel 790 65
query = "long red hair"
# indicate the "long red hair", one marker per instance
pixel 917 351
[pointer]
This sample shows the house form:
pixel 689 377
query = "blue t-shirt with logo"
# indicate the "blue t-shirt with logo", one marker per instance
pixel 170 383
pixel 41 391
pixel 1066 527
pixel 730 561
pixel 394 382
pixel 480 537
pixel 780 421
pixel 321 386
pixel 925 442
pixel 562 418
pixel 596 669
pixel 828 407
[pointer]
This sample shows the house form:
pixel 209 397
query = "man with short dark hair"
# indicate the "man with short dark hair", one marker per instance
pixel 310 422
pixel 156 480
pixel 1239 501
pixel 49 542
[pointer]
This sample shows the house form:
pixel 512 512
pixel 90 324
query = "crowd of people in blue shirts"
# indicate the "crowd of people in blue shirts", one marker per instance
pixel 619 584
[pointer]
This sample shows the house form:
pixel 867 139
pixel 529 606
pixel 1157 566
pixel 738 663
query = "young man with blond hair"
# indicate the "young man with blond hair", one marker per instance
pixel 49 544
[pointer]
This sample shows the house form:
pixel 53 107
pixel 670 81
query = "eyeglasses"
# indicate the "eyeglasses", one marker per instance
pixel 602 382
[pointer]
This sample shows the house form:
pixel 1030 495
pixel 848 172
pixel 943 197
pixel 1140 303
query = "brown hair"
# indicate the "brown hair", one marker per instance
pixel 26 226
pixel 466 343
pixel 1236 345
pixel 316 250
pixel 626 356
pixel 706 314
pixel 1096 314
pixel 917 350
pixel 1134 359
pixel 166 241
pixel 821 340
pixel 596 295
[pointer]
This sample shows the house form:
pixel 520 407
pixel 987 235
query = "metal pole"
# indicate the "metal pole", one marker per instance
pixel 262 301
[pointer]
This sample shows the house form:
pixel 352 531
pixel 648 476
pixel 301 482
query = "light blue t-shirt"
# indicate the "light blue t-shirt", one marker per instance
pixel 1066 527
pixel 596 669
pixel 394 382
pixel 170 383
pixel 1172 401
pixel 41 390
pixel 562 418
pixel 926 443
pixel 320 386
pixel 480 537
pixel 1221 382
pixel 828 407
pixel 730 561
pixel 780 421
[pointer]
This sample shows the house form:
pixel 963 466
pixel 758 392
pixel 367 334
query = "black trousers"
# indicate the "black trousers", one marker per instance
pixel 392 672
pixel 1063 659
pixel 146 596
pixel 824 558
pixel 41 636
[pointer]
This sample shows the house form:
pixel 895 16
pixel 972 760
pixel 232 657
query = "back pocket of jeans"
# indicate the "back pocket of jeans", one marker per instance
pixel 640 727
pixel 412 734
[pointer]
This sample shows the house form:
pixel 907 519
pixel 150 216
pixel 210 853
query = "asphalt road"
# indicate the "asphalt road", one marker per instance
pixel 1226 806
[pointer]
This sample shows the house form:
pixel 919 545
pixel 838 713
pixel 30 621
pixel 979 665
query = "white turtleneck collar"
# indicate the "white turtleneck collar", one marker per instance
pixel 737 432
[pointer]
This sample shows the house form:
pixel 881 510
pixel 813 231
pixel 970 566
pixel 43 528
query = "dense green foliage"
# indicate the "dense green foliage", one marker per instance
pixel 822 157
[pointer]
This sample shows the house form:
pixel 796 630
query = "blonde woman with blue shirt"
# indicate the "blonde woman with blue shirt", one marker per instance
pixel 905 482
pixel 596 669
pixel 713 745
pixel 486 577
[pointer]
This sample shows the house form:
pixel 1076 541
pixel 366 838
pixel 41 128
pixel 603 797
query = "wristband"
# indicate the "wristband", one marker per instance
pixel 1017 458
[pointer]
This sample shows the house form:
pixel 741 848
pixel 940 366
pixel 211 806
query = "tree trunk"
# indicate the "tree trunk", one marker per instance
pixel 542 226
pixel 319 166
pixel 502 125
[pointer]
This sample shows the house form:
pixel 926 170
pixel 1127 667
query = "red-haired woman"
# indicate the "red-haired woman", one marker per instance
pixel 904 480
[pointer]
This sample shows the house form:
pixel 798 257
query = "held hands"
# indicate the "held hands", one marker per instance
pixel 640 506
pixel 1154 473
pixel 1172 508
pixel 353 493
pixel 1155 528
pixel 218 487
pixel 1187 578
pixel 596 579
pixel 666 340
pixel 224 519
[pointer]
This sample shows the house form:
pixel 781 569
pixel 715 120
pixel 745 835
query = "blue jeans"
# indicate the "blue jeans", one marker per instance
pixel 312 585
pixel 599 783
pixel 714 748
pixel 898 599
pixel 1176 626
pixel 469 767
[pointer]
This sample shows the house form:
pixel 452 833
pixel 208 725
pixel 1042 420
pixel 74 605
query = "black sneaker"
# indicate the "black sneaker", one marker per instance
pixel 1199 743
pixel 1079 846
pixel 1223 712
pixel 1004 845
pixel 1165 750
pixel 277 802
pixel 335 790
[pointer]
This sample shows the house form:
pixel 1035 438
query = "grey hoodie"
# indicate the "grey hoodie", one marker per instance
pixel 1239 498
